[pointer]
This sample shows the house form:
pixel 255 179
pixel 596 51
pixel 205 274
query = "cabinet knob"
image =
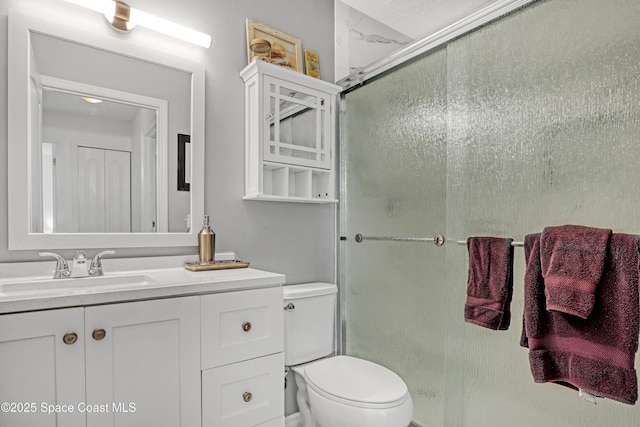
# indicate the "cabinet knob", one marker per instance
pixel 99 334
pixel 70 338
pixel 246 326
pixel 246 396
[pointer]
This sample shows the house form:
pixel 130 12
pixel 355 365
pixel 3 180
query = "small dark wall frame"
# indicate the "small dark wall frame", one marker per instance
pixel 183 140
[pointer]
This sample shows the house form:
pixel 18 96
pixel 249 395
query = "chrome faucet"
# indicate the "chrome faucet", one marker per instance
pixel 80 266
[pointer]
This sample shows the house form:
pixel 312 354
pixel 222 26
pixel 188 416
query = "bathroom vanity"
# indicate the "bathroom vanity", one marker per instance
pixel 158 346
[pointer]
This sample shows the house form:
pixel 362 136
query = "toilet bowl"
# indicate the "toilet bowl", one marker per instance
pixel 336 391
pixel 347 391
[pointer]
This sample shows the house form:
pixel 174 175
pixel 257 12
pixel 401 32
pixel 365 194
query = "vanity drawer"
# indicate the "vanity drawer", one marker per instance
pixel 244 394
pixel 241 325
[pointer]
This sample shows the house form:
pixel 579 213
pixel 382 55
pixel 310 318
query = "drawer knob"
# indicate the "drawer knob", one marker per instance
pixel 246 326
pixel 246 396
pixel 98 334
pixel 289 307
pixel 70 338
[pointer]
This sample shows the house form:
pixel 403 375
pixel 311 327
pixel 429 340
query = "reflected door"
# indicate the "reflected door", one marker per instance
pixel 103 196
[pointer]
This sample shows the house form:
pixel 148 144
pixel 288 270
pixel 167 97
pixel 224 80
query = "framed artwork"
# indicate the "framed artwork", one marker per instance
pixel 311 63
pixel 270 45
pixel 184 162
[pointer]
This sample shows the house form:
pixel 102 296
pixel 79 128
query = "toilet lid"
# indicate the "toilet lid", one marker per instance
pixel 356 380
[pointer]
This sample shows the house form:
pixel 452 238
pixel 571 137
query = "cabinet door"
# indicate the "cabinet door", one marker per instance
pixel 37 367
pixel 143 363
pixel 297 124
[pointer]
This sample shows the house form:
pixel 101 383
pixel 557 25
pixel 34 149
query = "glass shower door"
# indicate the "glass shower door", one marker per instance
pixel 393 166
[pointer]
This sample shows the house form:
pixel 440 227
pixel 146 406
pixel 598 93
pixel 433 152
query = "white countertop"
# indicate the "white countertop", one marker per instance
pixel 154 277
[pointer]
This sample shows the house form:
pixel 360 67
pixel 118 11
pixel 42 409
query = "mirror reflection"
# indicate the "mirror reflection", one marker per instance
pixel 97 156
pixel 104 132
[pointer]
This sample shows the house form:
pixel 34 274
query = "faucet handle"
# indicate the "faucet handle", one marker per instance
pixel 95 269
pixel 62 268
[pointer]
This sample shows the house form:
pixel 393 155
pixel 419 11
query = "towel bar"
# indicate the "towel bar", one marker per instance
pixel 464 242
pixel 437 240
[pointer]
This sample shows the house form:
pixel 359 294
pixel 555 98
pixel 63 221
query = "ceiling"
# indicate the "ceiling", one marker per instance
pixel 418 18
pixel 67 103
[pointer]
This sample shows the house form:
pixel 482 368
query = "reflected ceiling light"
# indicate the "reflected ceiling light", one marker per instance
pixel 124 18
pixel 91 100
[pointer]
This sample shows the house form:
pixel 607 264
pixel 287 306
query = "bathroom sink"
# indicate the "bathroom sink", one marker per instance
pixel 38 287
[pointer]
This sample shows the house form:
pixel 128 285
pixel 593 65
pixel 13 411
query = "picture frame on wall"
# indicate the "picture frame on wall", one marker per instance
pixel 311 63
pixel 271 45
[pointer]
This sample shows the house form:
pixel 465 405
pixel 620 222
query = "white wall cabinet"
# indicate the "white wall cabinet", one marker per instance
pixel 212 360
pixel 289 135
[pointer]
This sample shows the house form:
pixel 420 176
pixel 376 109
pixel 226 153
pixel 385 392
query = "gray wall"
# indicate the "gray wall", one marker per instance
pixel 294 239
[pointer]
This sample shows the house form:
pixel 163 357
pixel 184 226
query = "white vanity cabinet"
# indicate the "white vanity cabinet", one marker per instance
pixel 243 359
pixel 207 352
pixel 129 364
pixel 36 367
pixel 289 135
pixel 142 358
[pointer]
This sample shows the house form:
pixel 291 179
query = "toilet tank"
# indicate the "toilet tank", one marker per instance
pixel 309 321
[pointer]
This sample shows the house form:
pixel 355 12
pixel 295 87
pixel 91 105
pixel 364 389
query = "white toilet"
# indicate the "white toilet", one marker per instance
pixel 336 391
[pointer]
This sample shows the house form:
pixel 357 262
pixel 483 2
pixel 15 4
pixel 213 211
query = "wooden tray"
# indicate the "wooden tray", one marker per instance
pixel 216 265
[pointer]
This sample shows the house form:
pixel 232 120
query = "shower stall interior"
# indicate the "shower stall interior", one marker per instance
pixel 531 120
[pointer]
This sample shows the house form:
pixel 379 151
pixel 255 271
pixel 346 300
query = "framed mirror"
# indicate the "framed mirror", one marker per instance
pixel 95 127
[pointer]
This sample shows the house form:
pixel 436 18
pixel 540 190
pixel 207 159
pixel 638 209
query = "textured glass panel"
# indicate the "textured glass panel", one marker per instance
pixel 394 155
pixel 543 128
pixel 531 121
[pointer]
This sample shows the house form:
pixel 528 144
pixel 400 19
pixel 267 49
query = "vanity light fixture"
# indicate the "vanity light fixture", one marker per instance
pixel 122 17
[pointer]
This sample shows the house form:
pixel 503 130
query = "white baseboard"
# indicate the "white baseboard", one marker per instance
pixel 293 420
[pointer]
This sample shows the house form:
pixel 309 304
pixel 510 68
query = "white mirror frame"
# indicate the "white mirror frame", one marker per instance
pixel 19 127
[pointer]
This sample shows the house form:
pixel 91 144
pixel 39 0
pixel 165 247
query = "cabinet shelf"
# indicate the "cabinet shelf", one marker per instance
pixel 282 182
pixel 289 135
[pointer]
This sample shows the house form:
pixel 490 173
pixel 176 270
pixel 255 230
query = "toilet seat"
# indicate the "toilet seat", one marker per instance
pixel 356 382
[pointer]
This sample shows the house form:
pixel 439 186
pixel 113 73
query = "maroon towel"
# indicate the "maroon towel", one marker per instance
pixel 490 282
pixel 595 354
pixel 572 258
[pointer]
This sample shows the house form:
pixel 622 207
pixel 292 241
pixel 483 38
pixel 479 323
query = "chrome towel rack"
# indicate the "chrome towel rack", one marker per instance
pixel 438 240
pixel 464 242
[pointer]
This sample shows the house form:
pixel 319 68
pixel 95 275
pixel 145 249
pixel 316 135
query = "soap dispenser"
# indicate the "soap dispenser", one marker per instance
pixel 206 242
